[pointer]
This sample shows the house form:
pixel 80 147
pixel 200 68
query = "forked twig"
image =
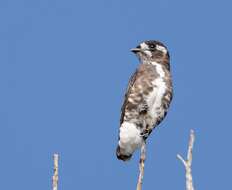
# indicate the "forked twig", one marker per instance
pixel 188 163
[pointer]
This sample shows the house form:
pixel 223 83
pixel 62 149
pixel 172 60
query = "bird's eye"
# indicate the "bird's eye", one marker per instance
pixel 152 46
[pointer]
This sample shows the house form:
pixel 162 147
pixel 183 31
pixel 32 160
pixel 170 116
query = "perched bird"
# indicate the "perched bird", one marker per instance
pixel 147 98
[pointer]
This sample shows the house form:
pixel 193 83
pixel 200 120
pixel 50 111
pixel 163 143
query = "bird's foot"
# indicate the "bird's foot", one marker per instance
pixel 145 133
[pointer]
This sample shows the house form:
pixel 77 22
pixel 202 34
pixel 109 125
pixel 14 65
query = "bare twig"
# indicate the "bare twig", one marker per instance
pixel 55 172
pixel 141 166
pixel 188 163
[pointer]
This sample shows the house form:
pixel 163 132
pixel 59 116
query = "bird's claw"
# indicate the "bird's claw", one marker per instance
pixel 145 133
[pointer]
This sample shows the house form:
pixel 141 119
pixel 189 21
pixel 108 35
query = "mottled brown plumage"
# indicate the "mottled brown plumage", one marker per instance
pixel 147 99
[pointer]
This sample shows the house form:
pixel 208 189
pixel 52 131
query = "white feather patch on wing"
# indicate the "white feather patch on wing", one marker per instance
pixel 130 138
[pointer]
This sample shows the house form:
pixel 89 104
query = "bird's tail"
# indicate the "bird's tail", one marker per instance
pixel 121 155
pixel 129 140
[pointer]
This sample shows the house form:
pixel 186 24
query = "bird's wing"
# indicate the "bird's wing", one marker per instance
pixel 129 87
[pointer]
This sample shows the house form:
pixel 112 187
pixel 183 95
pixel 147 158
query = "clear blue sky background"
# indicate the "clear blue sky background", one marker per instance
pixel 64 67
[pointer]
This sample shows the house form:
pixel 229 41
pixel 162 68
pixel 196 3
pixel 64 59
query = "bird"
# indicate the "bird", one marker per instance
pixel 147 98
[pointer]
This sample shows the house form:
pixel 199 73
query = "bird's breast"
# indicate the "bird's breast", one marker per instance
pixel 156 98
pixel 148 99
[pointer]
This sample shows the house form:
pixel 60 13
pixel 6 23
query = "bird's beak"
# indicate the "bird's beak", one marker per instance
pixel 136 50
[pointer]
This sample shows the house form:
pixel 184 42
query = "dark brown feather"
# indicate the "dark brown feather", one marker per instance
pixel 131 83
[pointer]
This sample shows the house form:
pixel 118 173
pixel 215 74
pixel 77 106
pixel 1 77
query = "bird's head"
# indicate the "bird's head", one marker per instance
pixel 152 51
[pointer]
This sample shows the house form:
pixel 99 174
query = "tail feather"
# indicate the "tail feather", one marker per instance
pixel 122 156
pixel 129 140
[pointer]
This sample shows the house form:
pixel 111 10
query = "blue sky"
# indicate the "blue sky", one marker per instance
pixel 64 67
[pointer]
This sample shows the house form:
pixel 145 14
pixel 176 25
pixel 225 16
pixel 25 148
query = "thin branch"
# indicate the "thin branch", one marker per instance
pixel 188 163
pixel 181 159
pixel 141 166
pixel 55 172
